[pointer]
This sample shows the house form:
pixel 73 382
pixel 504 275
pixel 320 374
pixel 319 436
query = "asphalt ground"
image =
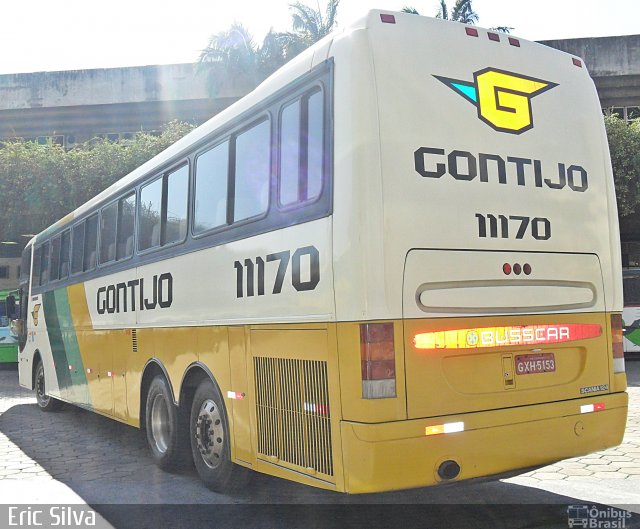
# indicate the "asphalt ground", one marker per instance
pixel 78 457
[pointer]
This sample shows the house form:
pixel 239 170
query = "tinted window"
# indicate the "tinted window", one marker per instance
pixel 177 204
pixel 150 215
pixel 290 154
pixel 54 268
pixel 631 289
pixel 108 225
pixel 126 223
pixel 77 248
pixel 302 149
pixel 37 257
pixel 90 242
pixel 64 254
pixel 211 188
pixel 44 263
pixel 252 170
pixel 315 145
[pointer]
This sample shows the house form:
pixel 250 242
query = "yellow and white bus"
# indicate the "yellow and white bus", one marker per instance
pixel 395 263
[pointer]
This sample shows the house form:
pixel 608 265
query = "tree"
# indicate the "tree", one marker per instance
pixel 462 12
pixel 233 56
pixel 40 184
pixel 624 146
pixel 309 26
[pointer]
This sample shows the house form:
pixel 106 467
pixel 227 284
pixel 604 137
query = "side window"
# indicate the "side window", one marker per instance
pixel 64 254
pixel 108 224
pixel 90 243
pixel 163 210
pixel 177 205
pixel 252 171
pixel 77 248
pixel 44 264
pixel 37 259
pixel 126 223
pixel 211 188
pixel 54 268
pixel 150 215
pixel 302 149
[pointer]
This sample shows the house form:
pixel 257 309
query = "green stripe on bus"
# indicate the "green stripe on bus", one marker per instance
pixel 64 347
pixel 71 347
pixel 57 345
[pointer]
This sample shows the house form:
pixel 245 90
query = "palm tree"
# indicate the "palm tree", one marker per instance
pixel 462 12
pixel 233 54
pixel 309 26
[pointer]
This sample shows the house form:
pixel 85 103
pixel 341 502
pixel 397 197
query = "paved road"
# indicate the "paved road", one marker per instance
pixel 76 456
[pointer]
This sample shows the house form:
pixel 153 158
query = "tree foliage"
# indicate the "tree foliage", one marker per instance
pixel 234 56
pixel 39 184
pixel 462 12
pixel 624 146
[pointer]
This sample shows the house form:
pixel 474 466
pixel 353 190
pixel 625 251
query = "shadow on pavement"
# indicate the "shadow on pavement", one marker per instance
pixel 108 465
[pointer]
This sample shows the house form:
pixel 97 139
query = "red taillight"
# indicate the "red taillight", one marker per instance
pixel 387 19
pixel 378 360
pixel 472 32
pixel 577 62
pixel 617 346
pixel 507 336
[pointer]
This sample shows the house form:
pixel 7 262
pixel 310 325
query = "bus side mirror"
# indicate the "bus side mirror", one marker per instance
pixel 11 307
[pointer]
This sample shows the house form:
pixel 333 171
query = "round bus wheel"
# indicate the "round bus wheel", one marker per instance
pixel 45 402
pixel 210 437
pixel 166 430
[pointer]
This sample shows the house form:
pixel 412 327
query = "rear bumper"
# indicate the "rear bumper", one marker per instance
pixel 397 455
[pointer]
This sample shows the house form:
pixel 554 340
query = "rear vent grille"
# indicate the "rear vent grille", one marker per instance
pixel 134 340
pixel 292 402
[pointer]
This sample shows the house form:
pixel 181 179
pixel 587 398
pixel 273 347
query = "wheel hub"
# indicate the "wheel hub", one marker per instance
pixel 160 424
pixel 210 433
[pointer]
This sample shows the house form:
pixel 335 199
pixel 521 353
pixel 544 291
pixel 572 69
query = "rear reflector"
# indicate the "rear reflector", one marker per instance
pixel 451 427
pixel 617 343
pixel 577 62
pixel 476 338
pixel 378 360
pixel 590 408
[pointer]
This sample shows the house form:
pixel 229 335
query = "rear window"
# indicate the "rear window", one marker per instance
pixel 631 289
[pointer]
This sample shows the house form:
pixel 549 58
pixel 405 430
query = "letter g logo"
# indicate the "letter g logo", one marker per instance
pixel 503 99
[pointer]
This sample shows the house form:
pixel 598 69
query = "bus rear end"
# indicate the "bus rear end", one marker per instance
pixel 493 338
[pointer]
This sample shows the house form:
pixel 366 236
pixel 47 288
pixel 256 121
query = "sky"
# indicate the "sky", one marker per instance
pixel 41 35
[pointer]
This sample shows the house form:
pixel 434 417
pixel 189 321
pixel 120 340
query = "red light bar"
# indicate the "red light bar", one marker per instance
pixel 472 32
pixel 494 37
pixel 388 19
pixel 477 338
pixel 514 42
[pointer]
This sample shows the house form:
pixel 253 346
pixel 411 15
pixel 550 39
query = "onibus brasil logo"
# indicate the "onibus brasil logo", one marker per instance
pixel 503 99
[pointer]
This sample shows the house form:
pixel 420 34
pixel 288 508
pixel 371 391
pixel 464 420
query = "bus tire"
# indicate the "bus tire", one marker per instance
pixel 45 402
pixel 166 432
pixel 210 437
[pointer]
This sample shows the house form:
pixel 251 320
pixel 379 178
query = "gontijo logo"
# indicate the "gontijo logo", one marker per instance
pixel 503 99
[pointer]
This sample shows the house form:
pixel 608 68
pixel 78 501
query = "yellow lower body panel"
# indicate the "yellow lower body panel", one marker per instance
pixel 398 455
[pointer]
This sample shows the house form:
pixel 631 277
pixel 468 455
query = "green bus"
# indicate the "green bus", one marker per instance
pixel 8 340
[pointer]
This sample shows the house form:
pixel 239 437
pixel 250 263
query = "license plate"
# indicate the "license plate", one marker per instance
pixel 536 363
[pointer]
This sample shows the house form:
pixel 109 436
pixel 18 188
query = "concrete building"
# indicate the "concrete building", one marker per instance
pixel 614 65
pixel 75 106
